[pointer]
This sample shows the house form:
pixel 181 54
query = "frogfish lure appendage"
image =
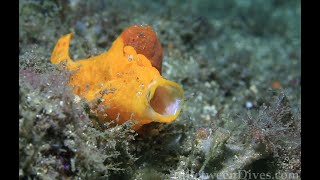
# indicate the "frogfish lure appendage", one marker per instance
pixel 127 79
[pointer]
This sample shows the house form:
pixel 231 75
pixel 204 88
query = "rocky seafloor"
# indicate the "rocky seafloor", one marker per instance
pixel 238 62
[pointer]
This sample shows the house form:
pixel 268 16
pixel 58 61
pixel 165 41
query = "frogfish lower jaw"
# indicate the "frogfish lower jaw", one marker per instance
pixel 165 100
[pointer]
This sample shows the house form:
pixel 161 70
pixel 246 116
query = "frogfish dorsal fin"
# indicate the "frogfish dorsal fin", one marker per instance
pixel 61 50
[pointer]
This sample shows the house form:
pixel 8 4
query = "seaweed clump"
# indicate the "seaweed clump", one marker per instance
pixel 278 128
pixel 266 141
pixel 58 139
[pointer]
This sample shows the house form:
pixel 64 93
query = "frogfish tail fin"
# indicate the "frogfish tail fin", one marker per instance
pixel 61 50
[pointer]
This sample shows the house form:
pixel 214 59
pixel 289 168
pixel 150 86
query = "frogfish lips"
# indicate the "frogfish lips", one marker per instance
pixel 126 80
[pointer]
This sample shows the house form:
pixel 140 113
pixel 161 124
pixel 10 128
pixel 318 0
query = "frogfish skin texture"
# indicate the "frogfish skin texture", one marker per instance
pixel 126 79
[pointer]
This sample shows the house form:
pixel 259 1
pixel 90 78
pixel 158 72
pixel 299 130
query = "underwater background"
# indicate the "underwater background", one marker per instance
pixel 238 61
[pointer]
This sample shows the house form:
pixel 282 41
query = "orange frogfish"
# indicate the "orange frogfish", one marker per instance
pixel 126 80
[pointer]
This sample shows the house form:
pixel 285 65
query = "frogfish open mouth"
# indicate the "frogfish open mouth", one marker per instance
pixel 126 80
